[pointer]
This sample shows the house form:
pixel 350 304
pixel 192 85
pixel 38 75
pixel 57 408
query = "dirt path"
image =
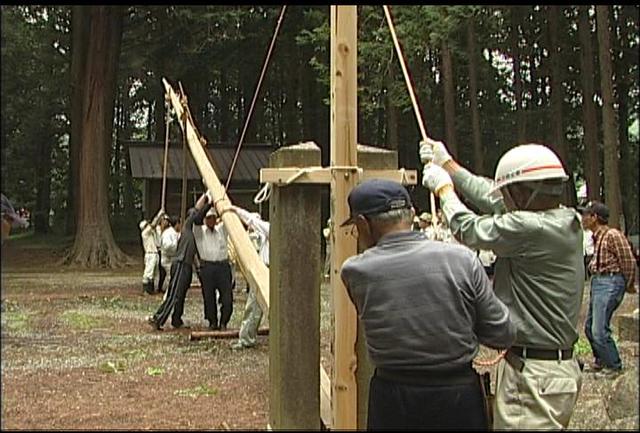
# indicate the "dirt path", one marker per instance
pixel 78 354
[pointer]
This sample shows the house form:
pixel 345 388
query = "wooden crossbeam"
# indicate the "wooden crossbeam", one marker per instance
pixel 288 175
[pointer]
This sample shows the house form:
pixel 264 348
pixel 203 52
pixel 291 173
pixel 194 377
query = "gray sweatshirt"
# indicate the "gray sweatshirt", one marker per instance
pixel 424 304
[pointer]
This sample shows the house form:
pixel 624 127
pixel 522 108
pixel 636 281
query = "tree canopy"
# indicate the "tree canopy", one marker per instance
pixel 488 77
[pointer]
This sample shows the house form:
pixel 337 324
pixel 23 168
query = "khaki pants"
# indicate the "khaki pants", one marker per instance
pixel 541 396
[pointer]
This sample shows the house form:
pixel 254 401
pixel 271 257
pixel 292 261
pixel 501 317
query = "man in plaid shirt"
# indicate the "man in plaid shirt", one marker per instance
pixel 613 270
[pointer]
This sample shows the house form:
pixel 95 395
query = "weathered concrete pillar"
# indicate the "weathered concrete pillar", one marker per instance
pixel 368 158
pixel 294 280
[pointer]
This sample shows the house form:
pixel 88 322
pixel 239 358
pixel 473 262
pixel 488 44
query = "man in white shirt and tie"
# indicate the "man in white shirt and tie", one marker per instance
pixel 215 270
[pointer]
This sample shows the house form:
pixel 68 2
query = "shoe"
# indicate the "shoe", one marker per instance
pixel 238 346
pixel 608 373
pixel 592 367
pixel 180 325
pixel 223 327
pixel 154 324
pixel 214 328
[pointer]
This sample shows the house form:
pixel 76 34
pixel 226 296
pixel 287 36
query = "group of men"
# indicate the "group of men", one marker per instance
pixel 201 242
pixel 426 306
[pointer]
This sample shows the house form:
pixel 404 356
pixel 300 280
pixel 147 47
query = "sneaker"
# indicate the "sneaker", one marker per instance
pixel 608 373
pixel 239 345
pixel 593 367
pixel 180 325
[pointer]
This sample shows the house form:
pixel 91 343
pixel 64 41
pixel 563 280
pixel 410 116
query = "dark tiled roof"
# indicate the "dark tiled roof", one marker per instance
pixel 147 161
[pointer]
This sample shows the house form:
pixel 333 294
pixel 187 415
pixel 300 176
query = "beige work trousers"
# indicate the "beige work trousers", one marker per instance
pixel 541 396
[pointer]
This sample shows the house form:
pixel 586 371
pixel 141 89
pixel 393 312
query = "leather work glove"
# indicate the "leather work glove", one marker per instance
pixel 435 178
pixel 434 151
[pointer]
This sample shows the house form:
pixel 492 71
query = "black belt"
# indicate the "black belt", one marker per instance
pixel 542 354
pixel 456 376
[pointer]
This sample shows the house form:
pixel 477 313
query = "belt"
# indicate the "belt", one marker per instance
pixel 217 262
pixel 456 376
pixel 605 274
pixel 543 354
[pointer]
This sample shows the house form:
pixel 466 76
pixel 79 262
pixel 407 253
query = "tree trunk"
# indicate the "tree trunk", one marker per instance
pixel 478 155
pixel 43 176
pixel 392 110
pixel 611 154
pixel 555 81
pixel 80 32
pixel 628 165
pixel 589 116
pixel 449 99
pixel 94 244
pixel 521 126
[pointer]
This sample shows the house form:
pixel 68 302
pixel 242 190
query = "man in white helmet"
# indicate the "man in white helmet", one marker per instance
pixel 539 273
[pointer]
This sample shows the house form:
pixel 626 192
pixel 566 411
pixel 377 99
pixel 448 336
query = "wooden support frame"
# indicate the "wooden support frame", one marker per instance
pixel 288 175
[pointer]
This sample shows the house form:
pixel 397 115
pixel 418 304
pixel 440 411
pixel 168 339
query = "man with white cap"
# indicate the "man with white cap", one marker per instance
pixel 425 306
pixel 215 269
pixel 150 243
pixel 539 273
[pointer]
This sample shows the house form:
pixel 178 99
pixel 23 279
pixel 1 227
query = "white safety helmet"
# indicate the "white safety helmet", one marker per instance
pixel 528 163
pixel 143 224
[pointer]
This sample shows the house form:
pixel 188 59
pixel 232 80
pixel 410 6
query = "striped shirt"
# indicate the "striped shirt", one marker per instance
pixel 612 254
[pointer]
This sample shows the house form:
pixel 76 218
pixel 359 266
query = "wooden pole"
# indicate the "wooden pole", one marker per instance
pixel 257 272
pixel 229 333
pixel 167 120
pixel 183 193
pixel 344 130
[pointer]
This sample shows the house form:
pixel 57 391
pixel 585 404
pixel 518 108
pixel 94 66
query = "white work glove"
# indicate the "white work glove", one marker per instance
pixel 434 151
pixel 435 178
pixel 209 196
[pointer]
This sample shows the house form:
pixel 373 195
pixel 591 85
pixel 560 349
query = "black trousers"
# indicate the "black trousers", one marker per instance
pixel 395 405
pixel 179 283
pixel 216 276
pixel 162 274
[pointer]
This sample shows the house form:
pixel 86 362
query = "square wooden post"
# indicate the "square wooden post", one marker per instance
pixel 294 316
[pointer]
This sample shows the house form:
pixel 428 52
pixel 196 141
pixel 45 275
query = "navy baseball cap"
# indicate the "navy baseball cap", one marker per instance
pixel 375 196
pixel 596 208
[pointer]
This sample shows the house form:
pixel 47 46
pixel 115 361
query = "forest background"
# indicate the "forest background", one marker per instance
pixel 80 82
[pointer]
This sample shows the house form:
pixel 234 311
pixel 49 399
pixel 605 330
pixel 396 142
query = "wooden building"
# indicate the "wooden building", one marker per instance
pixel 147 163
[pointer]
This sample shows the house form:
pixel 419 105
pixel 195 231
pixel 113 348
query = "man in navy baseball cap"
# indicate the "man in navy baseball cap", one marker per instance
pixel 376 196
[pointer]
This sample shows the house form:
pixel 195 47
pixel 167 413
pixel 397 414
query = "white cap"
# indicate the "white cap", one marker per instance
pixel 143 224
pixel 211 212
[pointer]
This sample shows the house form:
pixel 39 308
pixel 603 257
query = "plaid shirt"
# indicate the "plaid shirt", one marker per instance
pixel 612 253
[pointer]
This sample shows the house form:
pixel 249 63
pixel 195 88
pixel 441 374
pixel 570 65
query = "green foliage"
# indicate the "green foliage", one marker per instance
pixel 582 347
pixel 217 52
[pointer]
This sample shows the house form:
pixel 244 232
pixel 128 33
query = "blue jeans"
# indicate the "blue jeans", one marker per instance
pixel 607 292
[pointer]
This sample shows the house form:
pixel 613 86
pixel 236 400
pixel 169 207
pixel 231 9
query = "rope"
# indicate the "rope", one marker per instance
pixel 255 96
pixel 263 194
pixel 414 101
pixel 490 362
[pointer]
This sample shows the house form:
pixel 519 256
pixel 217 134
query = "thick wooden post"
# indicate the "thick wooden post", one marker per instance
pixel 294 319
pixel 368 158
pixel 344 132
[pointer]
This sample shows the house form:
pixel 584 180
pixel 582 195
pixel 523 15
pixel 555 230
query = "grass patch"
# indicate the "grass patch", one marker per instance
pixel 155 371
pixel 197 391
pixel 15 320
pixel 582 347
pixel 78 320
pixel 117 366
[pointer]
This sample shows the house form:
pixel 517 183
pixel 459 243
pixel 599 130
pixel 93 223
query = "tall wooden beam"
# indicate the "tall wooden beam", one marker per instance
pixel 344 132
pixel 257 272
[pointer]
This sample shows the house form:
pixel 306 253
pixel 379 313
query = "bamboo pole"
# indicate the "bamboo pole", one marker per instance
pixel 167 121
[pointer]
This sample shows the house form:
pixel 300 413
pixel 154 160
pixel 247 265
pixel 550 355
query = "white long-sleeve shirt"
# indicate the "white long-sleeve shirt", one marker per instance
pixel 149 239
pixel 261 229
pixel 168 245
pixel 211 243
